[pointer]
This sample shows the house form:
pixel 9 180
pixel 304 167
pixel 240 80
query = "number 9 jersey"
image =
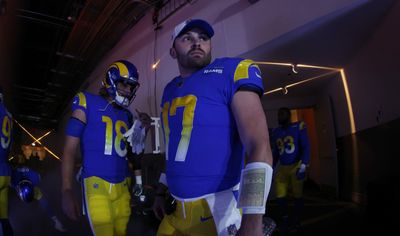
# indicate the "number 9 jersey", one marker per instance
pixel 203 148
pixel 5 139
pixel 103 146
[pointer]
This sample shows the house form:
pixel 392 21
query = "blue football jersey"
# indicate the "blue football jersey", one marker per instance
pixel 291 144
pixel 5 140
pixel 103 147
pixel 22 173
pixel 203 148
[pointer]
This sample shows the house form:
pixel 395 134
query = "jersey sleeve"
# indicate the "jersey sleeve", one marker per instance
pixel 79 102
pixel 247 76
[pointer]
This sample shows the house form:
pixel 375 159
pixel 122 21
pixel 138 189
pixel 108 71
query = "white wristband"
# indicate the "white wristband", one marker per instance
pixel 138 179
pixel 255 184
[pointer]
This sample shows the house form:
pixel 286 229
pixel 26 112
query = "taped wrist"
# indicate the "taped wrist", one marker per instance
pixel 138 179
pixel 255 184
pixel 75 127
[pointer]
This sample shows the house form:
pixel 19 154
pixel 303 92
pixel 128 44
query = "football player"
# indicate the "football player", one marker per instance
pixel 212 116
pixel 5 169
pixel 98 124
pixel 292 150
pixel 26 181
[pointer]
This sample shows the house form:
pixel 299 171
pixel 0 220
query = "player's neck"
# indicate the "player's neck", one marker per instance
pixel 187 72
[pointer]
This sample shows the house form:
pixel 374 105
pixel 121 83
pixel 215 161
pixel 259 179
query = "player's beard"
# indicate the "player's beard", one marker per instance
pixel 193 62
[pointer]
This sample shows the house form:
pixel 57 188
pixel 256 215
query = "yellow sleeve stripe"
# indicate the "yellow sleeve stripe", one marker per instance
pixel 82 100
pixel 242 70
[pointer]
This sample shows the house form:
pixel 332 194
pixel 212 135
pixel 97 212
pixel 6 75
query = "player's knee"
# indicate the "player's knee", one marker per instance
pixel 281 192
pixel 99 217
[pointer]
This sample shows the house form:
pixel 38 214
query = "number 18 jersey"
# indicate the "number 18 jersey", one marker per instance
pixel 103 147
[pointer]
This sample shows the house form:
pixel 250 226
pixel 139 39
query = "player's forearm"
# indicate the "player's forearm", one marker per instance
pixel 68 162
pixel 161 189
pixel 252 219
pixel 67 169
pixel 259 152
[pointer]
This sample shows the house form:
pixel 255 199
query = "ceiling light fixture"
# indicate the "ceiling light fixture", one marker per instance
pixel 154 66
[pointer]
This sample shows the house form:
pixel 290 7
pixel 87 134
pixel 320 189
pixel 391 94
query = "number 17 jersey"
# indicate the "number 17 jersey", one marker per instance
pixel 203 148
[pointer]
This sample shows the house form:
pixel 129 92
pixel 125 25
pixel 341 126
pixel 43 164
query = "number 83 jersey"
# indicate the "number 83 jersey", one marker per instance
pixel 203 148
pixel 103 146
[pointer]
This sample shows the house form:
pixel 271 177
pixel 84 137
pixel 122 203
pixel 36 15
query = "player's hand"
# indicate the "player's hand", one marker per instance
pixel 136 136
pixel 70 205
pixel 159 207
pixel 301 172
pixel 251 225
pixel 137 190
pixel 145 119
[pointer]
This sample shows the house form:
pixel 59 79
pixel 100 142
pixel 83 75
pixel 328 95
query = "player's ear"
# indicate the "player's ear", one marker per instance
pixel 172 52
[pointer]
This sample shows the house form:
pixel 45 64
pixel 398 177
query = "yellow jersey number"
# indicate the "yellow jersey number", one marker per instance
pixel 118 139
pixel 285 145
pixel 6 131
pixel 188 103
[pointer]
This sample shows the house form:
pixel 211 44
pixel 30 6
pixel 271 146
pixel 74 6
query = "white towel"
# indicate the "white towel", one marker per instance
pixel 226 215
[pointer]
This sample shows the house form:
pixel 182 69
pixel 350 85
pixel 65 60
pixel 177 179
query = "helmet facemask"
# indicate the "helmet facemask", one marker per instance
pixel 126 100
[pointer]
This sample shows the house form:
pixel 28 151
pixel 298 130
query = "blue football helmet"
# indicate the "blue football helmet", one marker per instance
pixel 121 71
pixel 25 190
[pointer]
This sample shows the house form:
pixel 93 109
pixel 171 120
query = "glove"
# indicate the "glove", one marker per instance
pixel 137 190
pixel 138 147
pixel 301 172
pixel 136 136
